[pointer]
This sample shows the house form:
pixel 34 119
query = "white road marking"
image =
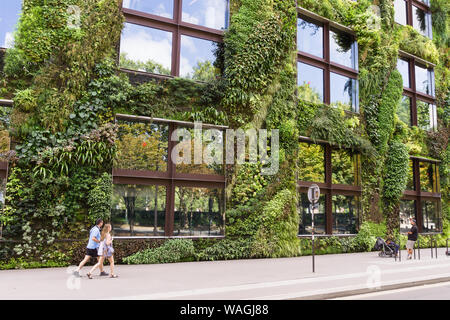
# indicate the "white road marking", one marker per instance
pixel 381 293
pixel 262 285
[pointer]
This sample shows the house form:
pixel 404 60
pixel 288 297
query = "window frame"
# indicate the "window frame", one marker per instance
pixel 170 179
pixel 421 196
pixel 409 15
pixel 412 92
pixel 328 188
pixel 325 63
pixel 177 27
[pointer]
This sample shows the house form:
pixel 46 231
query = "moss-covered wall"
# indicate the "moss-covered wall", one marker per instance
pixel 66 97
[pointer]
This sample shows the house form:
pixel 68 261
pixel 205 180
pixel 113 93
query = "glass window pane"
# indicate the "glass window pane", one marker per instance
pixel 425 113
pixel 344 167
pixel 403 68
pixel 427 176
pixel 141 146
pixel 138 210
pixel 310 83
pixel 424 80
pixel 407 211
pixel 9 15
pixel 198 212
pixel 343 91
pixel 400 11
pixel 208 13
pixel 146 49
pixel 410 181
pixel 345 214
pixel 163 8
pixel 5 139
pixel 311 163
pixel 305 226
pixel 210 147
pixel 404 110
pixel 310 37
pixel 420 21
pixel 342 49
pixel 431 216
pixel 197 59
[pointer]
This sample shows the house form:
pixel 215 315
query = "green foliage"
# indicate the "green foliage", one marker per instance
pixel 367 235
pixel 176 250
pixel 21 263
pixel 99 198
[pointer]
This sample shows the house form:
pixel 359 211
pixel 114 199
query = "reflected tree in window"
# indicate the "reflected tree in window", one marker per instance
pixel 311 163
pixel 343 167
pixel 147 66
pixel 141 146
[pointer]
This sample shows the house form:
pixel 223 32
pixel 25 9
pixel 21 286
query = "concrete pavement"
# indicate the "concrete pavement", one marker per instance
pixel 267 279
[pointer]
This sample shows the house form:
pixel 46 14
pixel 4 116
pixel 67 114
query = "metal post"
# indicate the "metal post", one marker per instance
pixel 400 249
pixel 431 246
pixel 418 247
pixel 311 208
pixel 435 247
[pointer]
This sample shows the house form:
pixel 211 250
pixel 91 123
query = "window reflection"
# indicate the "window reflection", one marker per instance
pixel 208 13
pixel 311 163
pixel 305 225
pixel 345 214
pixel 197 59
pixel 198 212
pixel 141 146
pixel 403 68
pixel 407 211
pixel 342 49
pixel 138 210
pixel 343 91
pixel 146 49
pixel 310 83
pixel 404 110
pixel 310 37
pixel 211 148
pixel 424 80
pixel 163 8
pixel 426 115
pixel 5 139
pixel 400 11
pixel 428 175
pixel 420 21
pixel 410 181
pixel 9 15
pixel 431 216
pixel 344 167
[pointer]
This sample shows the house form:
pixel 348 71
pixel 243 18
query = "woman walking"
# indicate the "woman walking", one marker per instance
pixel 105 250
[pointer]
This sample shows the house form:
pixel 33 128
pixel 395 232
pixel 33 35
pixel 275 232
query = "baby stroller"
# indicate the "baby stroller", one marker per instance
pixel 386 249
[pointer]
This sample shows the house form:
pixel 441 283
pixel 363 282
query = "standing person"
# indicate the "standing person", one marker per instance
pixel 105 250
pixel 412 238
pixel 92 247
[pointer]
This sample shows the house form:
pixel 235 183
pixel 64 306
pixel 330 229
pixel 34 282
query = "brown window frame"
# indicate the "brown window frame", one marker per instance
pixel 325 63
pixel 412 92
pixel 409 13
pixel 176 26
pixel 328 188
pixel 417 194
pixel 169 178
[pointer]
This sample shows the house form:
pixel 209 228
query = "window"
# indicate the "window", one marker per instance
pixel 327 68
pixel 418 103
pixel 9 15
pixel 337 173
pixel 154 195
pixel 415 13
pixel 400 8
pixel 173 37
pixel 422 197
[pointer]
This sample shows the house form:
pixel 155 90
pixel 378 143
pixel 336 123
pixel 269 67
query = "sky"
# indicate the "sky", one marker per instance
pixel 9 15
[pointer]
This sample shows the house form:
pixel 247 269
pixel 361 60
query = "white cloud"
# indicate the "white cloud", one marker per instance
pixel 185 67
pixel 190 19
pixel 142 46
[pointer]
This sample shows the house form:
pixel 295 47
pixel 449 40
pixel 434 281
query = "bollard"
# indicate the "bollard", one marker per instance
pixel 418 247
pixel 435 247
pixel 414 249
pixel 447 253
pixel 431 246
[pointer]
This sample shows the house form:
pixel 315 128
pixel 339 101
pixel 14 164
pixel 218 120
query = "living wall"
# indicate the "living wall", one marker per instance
pixel 66 86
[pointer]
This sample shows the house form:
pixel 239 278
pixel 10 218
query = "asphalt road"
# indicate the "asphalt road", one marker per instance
pixel 439 291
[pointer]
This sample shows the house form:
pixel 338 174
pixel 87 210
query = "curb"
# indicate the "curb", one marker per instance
pixel 349 293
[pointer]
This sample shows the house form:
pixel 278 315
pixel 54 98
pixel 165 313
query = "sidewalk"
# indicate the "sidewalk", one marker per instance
pixel 287 278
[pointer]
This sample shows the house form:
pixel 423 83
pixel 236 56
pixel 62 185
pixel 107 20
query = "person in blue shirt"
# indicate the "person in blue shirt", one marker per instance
pixel 92 247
